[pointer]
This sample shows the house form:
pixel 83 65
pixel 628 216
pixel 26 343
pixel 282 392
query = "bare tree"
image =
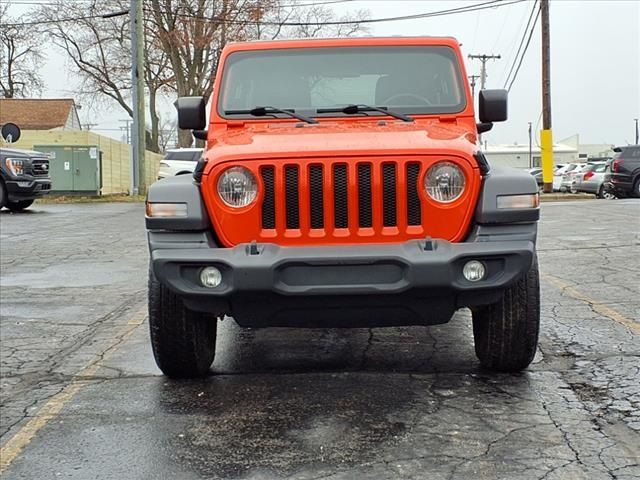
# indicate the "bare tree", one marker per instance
pixel 99 50
pixel 20 56
pixel 295 19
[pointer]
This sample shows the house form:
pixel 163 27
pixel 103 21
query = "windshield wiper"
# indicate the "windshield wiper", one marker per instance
pixel 353 109
pixel 262 111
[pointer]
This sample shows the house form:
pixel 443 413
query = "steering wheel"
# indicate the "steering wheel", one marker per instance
pixel 410 95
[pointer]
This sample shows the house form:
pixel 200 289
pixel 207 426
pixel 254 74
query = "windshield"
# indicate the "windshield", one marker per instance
pixel 405 79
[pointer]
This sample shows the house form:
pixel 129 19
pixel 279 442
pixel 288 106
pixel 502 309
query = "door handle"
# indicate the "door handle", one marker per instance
pixel 77 171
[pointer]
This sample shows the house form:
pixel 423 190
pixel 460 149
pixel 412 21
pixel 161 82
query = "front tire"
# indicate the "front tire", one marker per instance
pixel 19 205
pixel 3 194
pixel 183 341
pixel 636 188
pixel 506 332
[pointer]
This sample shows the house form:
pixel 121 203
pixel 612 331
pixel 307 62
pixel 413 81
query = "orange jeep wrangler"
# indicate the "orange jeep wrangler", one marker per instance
pixel 342 185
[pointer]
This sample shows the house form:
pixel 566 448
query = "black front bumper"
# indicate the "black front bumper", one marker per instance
pixel 417 282
pixel 28 188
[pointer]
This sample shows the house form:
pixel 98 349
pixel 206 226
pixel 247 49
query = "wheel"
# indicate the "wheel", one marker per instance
pixel 602 193
pixel 19 205
pixel 506 332
pixel 636 188
pixel 183 341
pixel 3 194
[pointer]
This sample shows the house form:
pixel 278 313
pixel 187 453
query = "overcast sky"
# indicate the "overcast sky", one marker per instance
pixel 595 57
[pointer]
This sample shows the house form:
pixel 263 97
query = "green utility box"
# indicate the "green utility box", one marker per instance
pixel 74 168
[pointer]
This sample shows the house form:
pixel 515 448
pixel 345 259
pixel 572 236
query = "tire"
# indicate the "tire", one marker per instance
pixel 602 193
pixel 183 341
pixel 3 195
pixel 506 332
pixel 636 188
pixel 19 205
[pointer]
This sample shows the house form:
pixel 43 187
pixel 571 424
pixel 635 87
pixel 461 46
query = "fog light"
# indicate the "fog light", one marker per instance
pixel 474 271
pixel 210 277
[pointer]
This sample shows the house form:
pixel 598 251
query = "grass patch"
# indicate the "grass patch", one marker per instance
pixel 63 199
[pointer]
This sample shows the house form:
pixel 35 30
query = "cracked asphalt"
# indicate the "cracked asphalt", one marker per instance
pixel 81 397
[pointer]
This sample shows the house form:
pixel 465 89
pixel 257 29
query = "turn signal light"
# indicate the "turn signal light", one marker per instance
pixel 171 210
pixel 531 200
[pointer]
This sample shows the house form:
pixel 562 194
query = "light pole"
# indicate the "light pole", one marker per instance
pixel 637 139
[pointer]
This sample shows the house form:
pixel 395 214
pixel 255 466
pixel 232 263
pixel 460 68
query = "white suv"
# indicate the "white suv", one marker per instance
pixel 179 161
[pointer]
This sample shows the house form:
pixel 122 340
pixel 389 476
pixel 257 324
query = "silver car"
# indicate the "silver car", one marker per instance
pixel 591 180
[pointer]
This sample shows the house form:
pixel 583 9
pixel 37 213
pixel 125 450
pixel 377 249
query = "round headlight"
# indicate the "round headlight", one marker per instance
pixel 237 187
pixel 444 182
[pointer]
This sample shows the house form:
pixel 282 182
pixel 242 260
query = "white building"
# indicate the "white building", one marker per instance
pixel 565 151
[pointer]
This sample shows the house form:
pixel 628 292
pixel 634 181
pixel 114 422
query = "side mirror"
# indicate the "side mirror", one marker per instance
pixel 492 106
pixel 192 113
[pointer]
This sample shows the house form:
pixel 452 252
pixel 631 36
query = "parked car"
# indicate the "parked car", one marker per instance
pixel 568 179
pixel 179 161
pixel 24 176
pixel 624 178
pixel 591 180
pixel 559 172
pixel 536 172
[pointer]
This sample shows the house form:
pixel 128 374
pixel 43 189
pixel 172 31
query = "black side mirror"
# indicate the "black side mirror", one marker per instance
pixel 192 113
pixel 492 106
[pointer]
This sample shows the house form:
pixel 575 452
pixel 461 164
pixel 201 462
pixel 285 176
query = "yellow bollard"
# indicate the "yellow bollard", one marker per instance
pixel 546 149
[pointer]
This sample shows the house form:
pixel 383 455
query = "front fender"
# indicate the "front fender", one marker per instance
pixel 178 189
pixel 505 181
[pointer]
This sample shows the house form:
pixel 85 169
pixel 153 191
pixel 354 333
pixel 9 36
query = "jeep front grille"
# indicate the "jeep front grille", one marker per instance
pixel 362 197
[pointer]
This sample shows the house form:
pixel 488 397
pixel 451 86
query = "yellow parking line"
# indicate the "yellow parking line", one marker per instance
pixel 55 404
pixel 597 306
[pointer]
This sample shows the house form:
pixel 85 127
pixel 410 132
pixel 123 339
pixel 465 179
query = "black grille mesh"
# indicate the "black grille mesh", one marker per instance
pixel 414 213
pixel 317 176
pixel 269 202
pixel 389 195
pixel 291 196
pixel 340 196
pixel 364 195
pixel 316 198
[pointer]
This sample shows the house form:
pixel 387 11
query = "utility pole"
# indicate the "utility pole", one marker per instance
pixel 127 129
pixel 530 153
pixel 637 139
pixel 137 78
pixel 546 137
pixel 483 72
pixel 473 79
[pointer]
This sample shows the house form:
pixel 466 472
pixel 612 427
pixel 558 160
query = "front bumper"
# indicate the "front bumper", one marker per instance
pixel 265 284
pixel 28 188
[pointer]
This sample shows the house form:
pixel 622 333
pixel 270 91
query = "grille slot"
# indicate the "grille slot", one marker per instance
pixel 389 217
pixel 365 215
pixel 269 202
pixel 414 211
pixel 316 196
pixel 292 204
pixel 340 196
pixel 39 167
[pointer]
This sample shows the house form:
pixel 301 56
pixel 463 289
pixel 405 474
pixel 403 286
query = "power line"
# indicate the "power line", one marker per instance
pixel 524 35
pixel 437 13
pixel 524 52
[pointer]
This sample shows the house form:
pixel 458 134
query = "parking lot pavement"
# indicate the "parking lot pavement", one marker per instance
pixel 82 398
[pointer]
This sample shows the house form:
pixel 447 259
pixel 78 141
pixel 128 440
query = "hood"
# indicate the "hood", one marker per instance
pixel 347 138
pixel 14 152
